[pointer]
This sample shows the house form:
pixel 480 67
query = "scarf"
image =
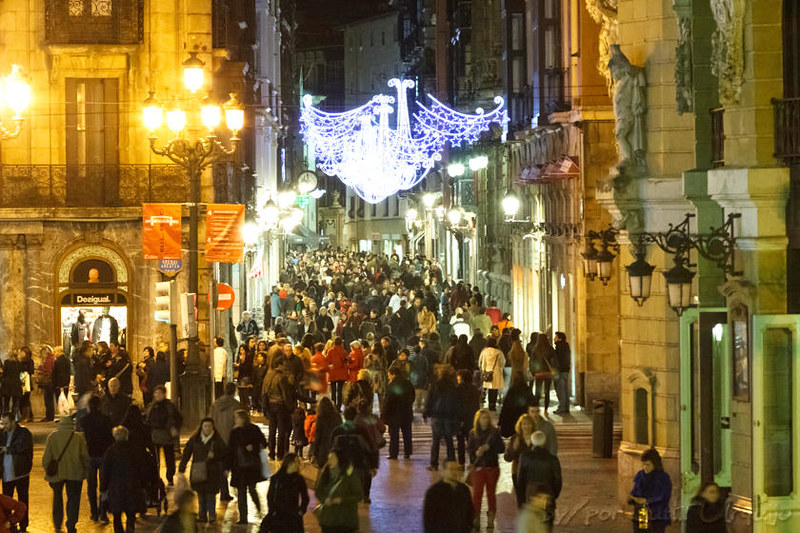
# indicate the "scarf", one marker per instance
pixel 205 438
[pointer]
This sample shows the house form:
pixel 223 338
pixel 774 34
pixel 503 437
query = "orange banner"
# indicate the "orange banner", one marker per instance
pixel 224 241
pixel 161 231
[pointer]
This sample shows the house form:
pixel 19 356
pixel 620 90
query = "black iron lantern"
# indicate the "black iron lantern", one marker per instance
pixel 679 287
pixel 640 278
pixel 605 263
pixel 590 262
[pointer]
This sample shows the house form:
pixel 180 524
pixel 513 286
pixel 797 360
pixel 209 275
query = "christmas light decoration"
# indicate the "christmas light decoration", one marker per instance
pixel 376 161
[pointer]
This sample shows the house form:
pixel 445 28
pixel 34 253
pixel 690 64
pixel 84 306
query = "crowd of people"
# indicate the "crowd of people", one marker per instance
pixel 351 347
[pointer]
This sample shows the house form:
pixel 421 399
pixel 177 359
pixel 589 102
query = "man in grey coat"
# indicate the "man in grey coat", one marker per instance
pixel 221 412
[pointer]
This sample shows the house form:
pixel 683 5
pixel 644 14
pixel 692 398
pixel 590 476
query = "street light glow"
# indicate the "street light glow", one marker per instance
pixel 411 214
pixel 152 114
pixel 270 213
pixel 17 92
pixel 455 170
pixel 193 72
pixel 429 199
pixel 234 114
pixel 454 216
pixel 211 115
pixel 478 163
pixel 176 120
pixel 250 234
pixel 287 198
pixel 511 204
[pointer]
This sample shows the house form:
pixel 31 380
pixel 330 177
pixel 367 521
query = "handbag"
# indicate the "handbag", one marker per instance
pixel 52 466
pixel 199 472
pixel 488 375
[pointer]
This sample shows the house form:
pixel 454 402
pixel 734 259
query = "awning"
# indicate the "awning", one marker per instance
pixel 564 168
pixel 301 235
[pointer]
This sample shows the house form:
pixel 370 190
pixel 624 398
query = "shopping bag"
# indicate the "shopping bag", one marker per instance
pixel 181 486
pixel 63 405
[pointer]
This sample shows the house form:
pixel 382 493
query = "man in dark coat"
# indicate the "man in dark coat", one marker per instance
pixel 448 503
pixel 115 403
pixel 561 365
pixel 121 368
pixel 16 452
pixel 158 372
pixel 398 413
pixel 122 479
pixel 442 406
pixel 538 467
pixel 279 399
pixel 469 401
pixel 97 431
pixel 61 374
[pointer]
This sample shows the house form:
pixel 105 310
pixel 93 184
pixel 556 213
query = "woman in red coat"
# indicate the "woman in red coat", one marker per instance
pixel 355 361
pixel 337 370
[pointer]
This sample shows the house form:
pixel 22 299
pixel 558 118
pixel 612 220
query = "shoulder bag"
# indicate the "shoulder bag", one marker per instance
pixel 488 375
pixel 52 466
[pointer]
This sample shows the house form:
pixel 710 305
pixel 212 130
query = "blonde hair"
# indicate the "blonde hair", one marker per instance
pixel 478 415
pixel 363 374
pixel 520 420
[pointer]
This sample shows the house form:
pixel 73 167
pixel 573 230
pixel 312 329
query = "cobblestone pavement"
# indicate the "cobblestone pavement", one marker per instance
pixel 587 503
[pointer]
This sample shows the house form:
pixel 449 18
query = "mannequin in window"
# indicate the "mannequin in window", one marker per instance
pixel 94 276
pixel 105 328
pixel 80 331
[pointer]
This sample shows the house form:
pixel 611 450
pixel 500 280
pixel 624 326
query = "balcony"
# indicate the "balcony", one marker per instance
pixel 717 137
pixel 787 130
pixel 94 22
pixel 521 108
pixel 37 186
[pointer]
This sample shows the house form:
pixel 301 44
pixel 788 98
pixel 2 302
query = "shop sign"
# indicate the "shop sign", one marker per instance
pixel 170 267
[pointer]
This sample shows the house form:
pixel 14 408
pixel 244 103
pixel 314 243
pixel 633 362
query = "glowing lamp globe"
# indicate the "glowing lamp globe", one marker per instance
pixel 176 120
pixel 511 204
pixel 428 200
pixel 455 170
pixel 270 213
pixel 411 214
pixel 152 114
pixel 193 72
pixel 590 262
pixel 211 115
pixel 478 163
pixel 679 288
pixel 17 92
pixel 250 234
pixel 640 279
pixel 287 198
pixel 605 263
pixel 234 114
pixel 454 217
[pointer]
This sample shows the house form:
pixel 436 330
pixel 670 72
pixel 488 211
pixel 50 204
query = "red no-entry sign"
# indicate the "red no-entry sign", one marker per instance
pixel 225 297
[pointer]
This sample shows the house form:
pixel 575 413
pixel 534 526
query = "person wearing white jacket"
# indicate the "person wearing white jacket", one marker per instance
pixel 490 364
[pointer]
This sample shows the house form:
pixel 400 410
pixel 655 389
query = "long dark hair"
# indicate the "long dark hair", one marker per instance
pixel 288 459
pixel 326 410
pixel 654 457
pixel 199 431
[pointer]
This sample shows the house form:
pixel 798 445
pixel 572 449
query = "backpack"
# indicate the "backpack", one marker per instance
pixel 353 446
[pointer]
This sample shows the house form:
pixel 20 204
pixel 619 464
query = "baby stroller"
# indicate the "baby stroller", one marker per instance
pixel 156 492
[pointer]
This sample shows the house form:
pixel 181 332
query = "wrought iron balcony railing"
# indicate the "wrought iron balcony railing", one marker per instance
pixel 91 185
pixel 787 129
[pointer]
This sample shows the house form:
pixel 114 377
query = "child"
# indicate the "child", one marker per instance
pixel 310 424
pixel 299 440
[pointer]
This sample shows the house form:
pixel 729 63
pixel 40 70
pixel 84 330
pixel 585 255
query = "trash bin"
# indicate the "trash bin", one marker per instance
pixel 602 428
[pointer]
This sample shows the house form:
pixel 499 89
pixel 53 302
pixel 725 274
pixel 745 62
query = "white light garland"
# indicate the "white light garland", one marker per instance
pixel 377 161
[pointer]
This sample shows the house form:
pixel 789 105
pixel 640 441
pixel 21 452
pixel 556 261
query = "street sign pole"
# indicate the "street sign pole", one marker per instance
pixel 212 325
pixel 173 363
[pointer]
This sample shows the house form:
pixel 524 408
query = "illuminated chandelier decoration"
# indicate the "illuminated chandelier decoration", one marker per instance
pixel 361 148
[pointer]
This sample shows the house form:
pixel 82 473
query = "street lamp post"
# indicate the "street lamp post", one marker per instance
pixel 16 94
pixel 195 155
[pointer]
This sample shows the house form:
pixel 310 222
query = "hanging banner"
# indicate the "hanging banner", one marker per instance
pixel 161 231
pixel 224 241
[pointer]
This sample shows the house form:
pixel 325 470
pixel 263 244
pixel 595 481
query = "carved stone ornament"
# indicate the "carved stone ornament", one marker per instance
pixel 727 49
pixel 604 12
pixel 630 108
pixel 684 94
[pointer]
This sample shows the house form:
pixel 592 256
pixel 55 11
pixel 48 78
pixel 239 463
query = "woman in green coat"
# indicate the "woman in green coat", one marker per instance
pixel 207 451
pixel 339 491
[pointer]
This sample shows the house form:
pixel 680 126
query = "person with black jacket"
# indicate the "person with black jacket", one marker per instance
pixel 462 356
pixel 123 479
pixel 115 403
pixel 84 369
pixel 165 423
pixel 97 431
pixel 442 406
pixel 158 372
pixel 561 365
pixel 540 467
pixel 62 370
pixel 707 511
pixel 328 419
pixel 207 451
pixel 10 384
pixel 16 460
pixel 469 401
pixel 448 504
pixel 279 401
pixel 121 368
pixel 287 498
pixel 398 413
pixel 516 403
pixel 244 461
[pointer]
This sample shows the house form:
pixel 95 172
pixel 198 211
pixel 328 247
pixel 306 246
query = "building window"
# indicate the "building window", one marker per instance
pixel 94 21
pixel 641 417
pixel 778 420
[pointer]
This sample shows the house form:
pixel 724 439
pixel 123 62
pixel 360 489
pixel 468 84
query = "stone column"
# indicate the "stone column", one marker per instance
pixel 13 303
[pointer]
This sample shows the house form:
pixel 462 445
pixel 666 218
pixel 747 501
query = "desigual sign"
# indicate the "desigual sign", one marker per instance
pixel 94 299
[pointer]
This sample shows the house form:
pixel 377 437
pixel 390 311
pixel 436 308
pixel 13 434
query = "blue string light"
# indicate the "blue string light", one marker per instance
pixel 376 161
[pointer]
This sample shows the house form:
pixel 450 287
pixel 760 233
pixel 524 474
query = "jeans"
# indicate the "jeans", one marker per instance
pixel 169 458
pixel 241 494
pixel 419 399
pixel 485 477
pixel 394 440
pixel 442 430
pixel 207 505
pixel 95 509
pixel 49 402
pixel 561 384
pixel 461 443
pixel 21 485
pixel 130 522
pixel 537 393
pixel 280 425
pixel 493 399
pixel 336 393
pixel 73 503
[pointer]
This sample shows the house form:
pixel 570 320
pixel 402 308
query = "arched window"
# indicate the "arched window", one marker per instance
pixel 641 416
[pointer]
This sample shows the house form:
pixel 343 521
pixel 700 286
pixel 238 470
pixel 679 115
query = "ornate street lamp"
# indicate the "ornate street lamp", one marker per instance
pixel 590 262
pixel 718 246
pixel 511 205
pixel 16 94
pixel 194 154
pixel 599 264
